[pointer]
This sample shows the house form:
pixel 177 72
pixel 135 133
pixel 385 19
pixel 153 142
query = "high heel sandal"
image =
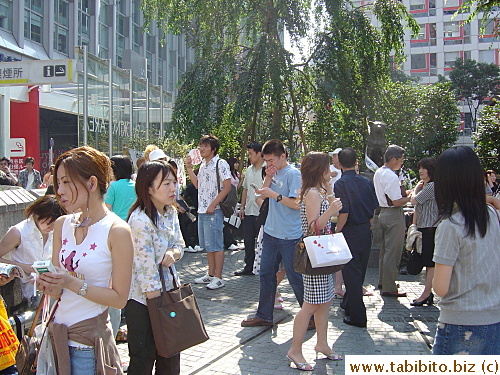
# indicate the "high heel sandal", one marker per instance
pixel 429 301
pixel 332 357
pixel 301 366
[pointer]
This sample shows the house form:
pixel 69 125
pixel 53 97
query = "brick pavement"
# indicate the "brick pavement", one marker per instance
pixel 394 327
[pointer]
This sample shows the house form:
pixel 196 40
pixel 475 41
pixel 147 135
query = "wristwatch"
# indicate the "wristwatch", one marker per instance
pixel 279 198
pixel 83 289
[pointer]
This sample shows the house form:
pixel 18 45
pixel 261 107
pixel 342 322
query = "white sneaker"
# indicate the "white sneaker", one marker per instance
pixel 189 250
pixel 216 283
pixel 207 279
pixel 198 248
pixel 233 247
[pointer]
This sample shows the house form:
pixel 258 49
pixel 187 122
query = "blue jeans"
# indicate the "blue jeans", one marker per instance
pixel 275 250
pixel 210 231
pixel 473 340
pixel 83 361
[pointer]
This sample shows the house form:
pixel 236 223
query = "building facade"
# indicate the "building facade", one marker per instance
pixel 131 80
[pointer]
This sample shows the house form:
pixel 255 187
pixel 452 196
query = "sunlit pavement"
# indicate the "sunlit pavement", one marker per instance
pixel 394 327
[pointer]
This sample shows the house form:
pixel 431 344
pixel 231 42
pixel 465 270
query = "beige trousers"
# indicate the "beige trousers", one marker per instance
pixel 393 227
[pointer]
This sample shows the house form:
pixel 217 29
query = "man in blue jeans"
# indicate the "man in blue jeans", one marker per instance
pixel 210 217
pixel 282 230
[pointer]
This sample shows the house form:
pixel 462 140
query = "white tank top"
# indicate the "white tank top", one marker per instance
pixel 30 250
pixel 91 261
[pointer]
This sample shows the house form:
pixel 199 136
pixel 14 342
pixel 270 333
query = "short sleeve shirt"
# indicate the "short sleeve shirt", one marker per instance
pixel 427 210
pixel 207 182
pixel 386 181
pixel 252 176
pixel 473 296
pixel 121 196
pixel 358 198
pixel 284 222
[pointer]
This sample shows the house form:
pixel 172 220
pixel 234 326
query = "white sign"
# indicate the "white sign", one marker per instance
pixel 37 72
pixel 17 147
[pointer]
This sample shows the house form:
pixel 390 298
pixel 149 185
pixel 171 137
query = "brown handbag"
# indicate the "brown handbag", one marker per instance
pixel 301 262
pixel 29 346
pixel 175 319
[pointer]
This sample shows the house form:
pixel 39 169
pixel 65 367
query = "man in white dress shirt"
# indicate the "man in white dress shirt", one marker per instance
pixel 391 219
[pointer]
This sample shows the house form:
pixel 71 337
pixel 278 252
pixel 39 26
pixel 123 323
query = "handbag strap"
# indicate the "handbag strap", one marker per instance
pixel 218 176
pixel 37 315
pixel 162 278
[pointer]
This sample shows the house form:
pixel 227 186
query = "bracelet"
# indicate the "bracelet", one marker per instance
pixel 331 195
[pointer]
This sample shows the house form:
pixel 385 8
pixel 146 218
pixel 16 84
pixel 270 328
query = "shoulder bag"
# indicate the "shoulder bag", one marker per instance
pixel 228 204
pixel 175 318
pixel 29 346
pixel 329 253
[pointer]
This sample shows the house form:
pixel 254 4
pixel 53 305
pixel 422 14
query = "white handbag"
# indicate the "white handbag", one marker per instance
pixel 327 250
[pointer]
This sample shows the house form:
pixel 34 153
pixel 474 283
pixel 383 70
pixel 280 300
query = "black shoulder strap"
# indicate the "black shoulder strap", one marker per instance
pixel 218 176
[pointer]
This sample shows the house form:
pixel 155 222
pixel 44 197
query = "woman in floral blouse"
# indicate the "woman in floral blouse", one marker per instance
pixel 157 239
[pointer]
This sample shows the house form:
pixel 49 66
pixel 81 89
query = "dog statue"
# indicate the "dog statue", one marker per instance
pixel 376 145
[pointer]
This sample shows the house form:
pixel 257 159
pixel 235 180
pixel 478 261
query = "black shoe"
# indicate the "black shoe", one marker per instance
pixel 348 321
pixel 429 301
pixel 244 273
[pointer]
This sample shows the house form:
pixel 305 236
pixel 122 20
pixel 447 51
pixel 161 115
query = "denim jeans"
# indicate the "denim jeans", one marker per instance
pixel 83 361
pixel 210 231
pixel 473 340
pixel 275 250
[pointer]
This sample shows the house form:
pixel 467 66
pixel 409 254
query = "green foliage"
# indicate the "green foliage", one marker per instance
pixel 244 85
pixel 171 146
pixel 474 81
pixel 488 8
pixel 487 138
pixel 422 119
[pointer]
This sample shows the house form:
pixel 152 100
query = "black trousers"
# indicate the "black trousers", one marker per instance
pixel 359 239
pixel 250 233
pixel 141 344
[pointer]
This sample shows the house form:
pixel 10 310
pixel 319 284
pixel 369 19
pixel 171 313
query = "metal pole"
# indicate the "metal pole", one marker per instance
pixel 162 130
pixel 131 101
pixel 110 112
pixel 147 108
pixel 85 98
pixel 147 97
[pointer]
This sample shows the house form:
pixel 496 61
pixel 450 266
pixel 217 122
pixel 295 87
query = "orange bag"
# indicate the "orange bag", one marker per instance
pixel 8 340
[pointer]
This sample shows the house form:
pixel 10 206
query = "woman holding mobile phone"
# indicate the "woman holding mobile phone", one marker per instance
pixel 92 253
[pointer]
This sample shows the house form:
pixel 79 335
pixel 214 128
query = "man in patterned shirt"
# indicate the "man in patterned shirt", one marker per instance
pixel 210 217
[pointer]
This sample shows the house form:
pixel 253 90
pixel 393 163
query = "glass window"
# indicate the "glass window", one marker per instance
pixel 6 14
pixel 490 28
pixel 417 4
pixel 451 29
pixel 61 33
pixel 84 21
pixel 33 20
pixel 449 59
pixel 418 61
pixel 487 56
pixel 451 3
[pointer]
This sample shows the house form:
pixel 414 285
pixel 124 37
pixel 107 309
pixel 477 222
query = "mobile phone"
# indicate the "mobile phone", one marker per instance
pixel 254 186
pixel 42 266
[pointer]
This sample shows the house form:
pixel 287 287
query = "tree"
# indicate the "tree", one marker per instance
pixel 487 138
pixel 244 76
pixel 423 119
pixel 472 82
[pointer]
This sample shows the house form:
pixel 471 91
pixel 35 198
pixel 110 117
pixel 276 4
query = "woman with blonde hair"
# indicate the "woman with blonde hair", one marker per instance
pixel 318 205
pixel 92 255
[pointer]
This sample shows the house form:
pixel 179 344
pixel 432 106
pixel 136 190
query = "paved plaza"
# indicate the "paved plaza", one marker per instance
pixel 394 327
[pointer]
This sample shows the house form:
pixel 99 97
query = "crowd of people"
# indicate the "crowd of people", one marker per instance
pixel 110 232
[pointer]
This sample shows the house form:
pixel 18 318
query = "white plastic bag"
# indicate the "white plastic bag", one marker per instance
pixel 327 250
